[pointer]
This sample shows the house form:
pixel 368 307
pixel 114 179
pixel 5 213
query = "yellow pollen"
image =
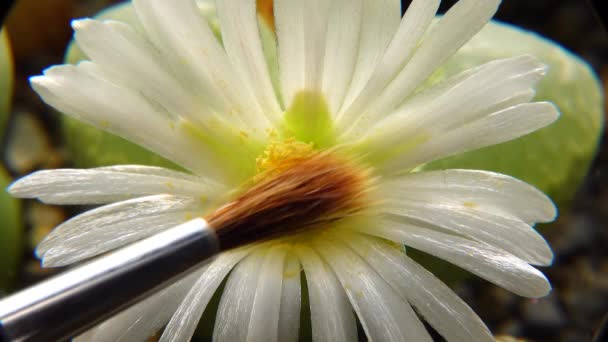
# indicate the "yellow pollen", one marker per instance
pixel 471 205
pixel 281 155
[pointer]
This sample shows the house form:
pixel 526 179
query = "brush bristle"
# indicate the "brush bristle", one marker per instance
pixel 310 194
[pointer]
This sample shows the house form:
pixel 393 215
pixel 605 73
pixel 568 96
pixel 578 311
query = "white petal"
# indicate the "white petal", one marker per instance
pixel 81 92
pixel 289 317
pixel 266 306
pixel 315 34
pixel 413 25
pixel 332 317
pixel 241 38
pixel 155 171
pixel 454 29
pixel 488 191
pixel 498 127
pixel 183 323
pixel 380 22
pixel 301 32
pixel 234 312
pixel 143 319
pixel 490 263
pixel 182 34
pixel 341 49
pixel 289 22
pixel 114 225
pixel 494 86
pixel 491 227
pixel 439 305
pixel 385 316
pixel 133 61
pixel 105 185
pixel 427 95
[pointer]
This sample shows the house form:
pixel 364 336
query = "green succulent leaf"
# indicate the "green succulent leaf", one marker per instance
pixel 11 229
pixel 6 79
pixel 556 158
pixel 11 233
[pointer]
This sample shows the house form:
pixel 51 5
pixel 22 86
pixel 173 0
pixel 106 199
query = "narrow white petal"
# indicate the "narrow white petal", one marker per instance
pixel 332 316
pixel 266 306
pixel 183 323
pixel 429 94
pixel 241 38
pixel 155 171
pixel 234 312
pixel 385 315
pixel 143 319
pixel 494 86
pixel 315 33
pixel 454 29
pixel 507 233
pixel 301 31
pixel 105 185
pixel 114 225
pixel 495 128
pixel 81 92
pixel 289 22
pixel 490 263
pixel 484 190
pixel 413 25
pixel 180 62
pixel 133 61
pixel 183 36
pixel 341 49
pixel 380 22
pixel 436 302
pixel 291 299
pixel 493 83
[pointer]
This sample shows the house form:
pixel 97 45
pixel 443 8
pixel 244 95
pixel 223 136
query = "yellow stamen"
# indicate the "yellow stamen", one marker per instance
pixel 281 155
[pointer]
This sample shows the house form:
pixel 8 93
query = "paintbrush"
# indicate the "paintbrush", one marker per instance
pixel 307 195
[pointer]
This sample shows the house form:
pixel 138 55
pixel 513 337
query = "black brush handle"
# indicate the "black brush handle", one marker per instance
pixel 76 300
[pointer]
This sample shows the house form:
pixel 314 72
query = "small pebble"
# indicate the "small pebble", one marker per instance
pixel 28 146
pixel 512 327
pixel 572 236
pixel 543 314
pixel 507 338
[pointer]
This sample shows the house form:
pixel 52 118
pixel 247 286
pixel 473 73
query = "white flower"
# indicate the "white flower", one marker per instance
pixel 349 76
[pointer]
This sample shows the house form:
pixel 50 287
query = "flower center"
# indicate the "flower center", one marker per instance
pixel 280 156
pixel 296 190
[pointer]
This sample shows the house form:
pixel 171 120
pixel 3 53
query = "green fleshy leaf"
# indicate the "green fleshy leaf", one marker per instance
pixel 6 79
pixel 308 120
pixel 11 231
pixel 556 158
pixel 90 146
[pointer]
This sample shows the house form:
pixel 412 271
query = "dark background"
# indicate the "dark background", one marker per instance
pixel 39 30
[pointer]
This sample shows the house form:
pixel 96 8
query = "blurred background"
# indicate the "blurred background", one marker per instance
pixel 33 138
